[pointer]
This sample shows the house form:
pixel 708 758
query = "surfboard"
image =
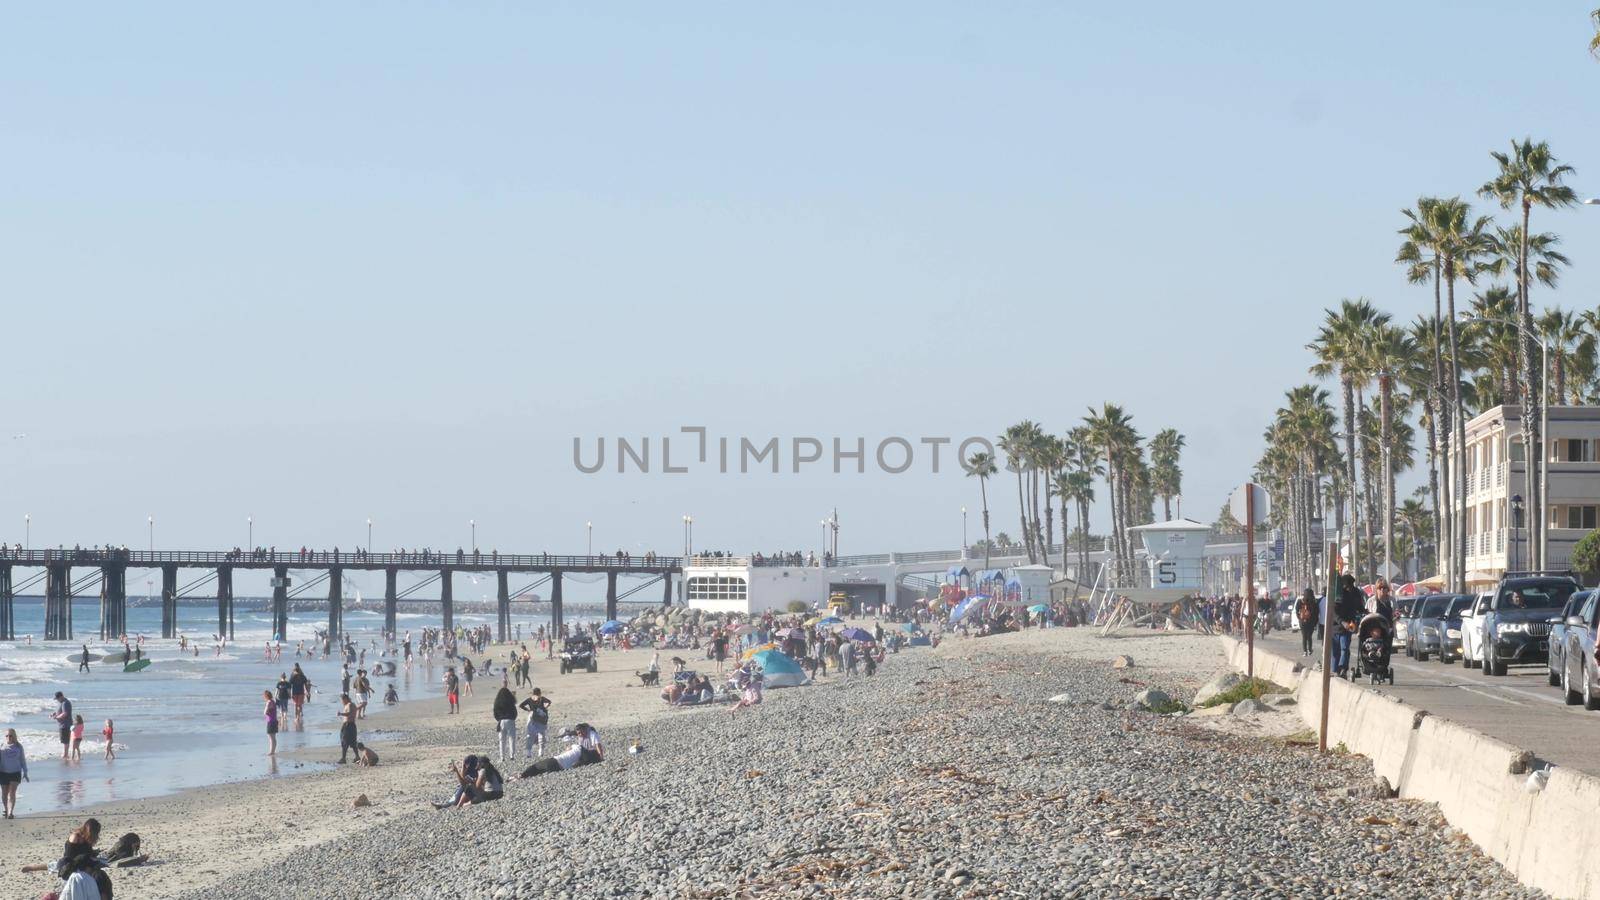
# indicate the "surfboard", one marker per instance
pixel 117 657
pixel 137 665
pixel 77 658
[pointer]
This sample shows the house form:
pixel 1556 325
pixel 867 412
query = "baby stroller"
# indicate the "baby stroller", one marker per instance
pixel 1375 637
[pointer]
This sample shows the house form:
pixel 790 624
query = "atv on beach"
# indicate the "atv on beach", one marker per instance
pixel 577 653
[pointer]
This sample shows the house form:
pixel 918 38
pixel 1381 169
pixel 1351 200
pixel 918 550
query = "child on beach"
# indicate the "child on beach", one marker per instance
pixel 77 737
pixel 108 733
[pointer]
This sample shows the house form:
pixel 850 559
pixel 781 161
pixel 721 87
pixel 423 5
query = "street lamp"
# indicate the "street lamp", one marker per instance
pixel 963 532
pixel 250 532
pixel 688 536
pixel 369 535
pixel 27 530
pixel 473 523
pixel 590 526
pixel 1516 532
pixel 152 534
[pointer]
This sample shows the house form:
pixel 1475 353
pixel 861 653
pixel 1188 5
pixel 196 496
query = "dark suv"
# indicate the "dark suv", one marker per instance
pixel 1516 628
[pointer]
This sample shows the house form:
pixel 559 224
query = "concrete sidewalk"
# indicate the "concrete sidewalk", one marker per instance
pixel 1519 708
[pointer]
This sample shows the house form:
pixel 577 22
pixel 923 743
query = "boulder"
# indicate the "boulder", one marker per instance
pixel 1061 698
pixel 1220 682
pixel 1150 698
pixel 1122 662
pixel 1249 707
pixel 1279 700
pixel 360 801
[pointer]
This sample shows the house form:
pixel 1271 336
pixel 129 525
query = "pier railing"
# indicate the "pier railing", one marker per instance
pixel 344 558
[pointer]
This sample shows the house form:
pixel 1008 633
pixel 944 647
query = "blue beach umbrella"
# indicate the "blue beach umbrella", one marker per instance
pixel 779 670
pixel 1038 608
pixel 910 626
pixel 613 627
pixel 858 634
pixel 831 621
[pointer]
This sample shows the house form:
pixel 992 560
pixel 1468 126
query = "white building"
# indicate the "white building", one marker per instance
pixel 1495 474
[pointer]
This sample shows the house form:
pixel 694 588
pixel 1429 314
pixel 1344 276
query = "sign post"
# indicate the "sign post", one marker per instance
pixel 1249 505
pixel 1327 640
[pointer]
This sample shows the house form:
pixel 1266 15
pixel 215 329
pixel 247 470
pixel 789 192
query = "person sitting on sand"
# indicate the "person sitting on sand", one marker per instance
pixel 478 781
pixel 365 756
pixel 81 861
pixel 391 696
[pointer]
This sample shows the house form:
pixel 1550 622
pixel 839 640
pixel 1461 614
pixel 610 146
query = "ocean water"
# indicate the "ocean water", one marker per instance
pixel 186 720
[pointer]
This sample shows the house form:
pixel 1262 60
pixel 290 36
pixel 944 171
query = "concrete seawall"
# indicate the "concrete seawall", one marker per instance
pixel 1549 839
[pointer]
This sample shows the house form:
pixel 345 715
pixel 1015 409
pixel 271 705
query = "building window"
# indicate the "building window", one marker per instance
pixel 1584 517
pixel 1572 450
pixel 1516 450
pixel 717 588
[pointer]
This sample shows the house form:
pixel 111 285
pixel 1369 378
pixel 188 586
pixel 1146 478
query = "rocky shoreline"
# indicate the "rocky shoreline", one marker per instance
pixel 1008 766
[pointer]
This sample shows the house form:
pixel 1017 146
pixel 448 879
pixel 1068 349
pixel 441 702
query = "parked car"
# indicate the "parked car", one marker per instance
pixel 1556 660
pixel 1404 609
pixel 1434 629
pixel 1516 626
pixel 1580 675
pixel 1472 630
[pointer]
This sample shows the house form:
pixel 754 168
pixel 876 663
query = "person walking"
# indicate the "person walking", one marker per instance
pixel 538 707
pixel 1347 612
pixel 13 771
pixel 1306 611
pixel 63 717
pixel 505 720
pixel 83 661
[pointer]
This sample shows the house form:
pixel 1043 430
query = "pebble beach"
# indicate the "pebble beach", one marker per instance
pixel 1008 766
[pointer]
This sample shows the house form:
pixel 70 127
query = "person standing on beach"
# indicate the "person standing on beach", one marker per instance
pixel 538 707
pixel 13 771
pixel 505 720
pixel 270 714
pixel 109 734
pixel 466 674
pixel 452 689
pixel 299 690
pixel 283 688
pixel 63 717
pixel 347 731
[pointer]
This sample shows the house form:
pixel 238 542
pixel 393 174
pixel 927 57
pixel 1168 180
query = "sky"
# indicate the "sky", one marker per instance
pixel 321 264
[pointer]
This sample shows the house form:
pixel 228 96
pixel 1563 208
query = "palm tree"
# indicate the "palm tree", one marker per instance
pixel 1529 176
pixel 1418 377
pixel 1572 353
pixel 1049 456
pixel 1083 458
pixel 1419 253
pixel 1166 475
pixel 1111 432
pixel 1340 347
pixel 1389 348
pixel 1014 443
pixel 980 466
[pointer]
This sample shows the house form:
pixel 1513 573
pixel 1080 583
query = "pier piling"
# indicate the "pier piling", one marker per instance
pixel 58 602
pixel 447 600
pixel 502 607
pixel 280 603
pixel 225 602
pixel 390 599
pixel 8 608
pixel 611 596
pixel 335 603
pixel 169 601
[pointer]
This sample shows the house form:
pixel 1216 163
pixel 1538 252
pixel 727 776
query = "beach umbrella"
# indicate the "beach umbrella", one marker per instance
pixel 612 627
pixel 858 634
pixel 830 621
pixel 962 607
pixel 1038 608
pixel 795 634
pixel 813 621
pixel 759 648
pixel 779 670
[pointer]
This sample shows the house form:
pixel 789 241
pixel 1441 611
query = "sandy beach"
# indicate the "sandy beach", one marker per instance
pixel 204 836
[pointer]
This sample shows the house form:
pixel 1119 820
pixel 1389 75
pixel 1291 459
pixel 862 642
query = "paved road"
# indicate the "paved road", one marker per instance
pixel 1519 708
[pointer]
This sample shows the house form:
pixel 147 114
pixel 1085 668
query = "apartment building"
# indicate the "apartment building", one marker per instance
pixel 1495 475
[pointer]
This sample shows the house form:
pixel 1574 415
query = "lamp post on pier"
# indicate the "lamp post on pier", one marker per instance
pixel 152 534
pixel 369 535
pixel 27 530
pixel 250 532
pixel 963 532
pixel 473 524
pixel 590 526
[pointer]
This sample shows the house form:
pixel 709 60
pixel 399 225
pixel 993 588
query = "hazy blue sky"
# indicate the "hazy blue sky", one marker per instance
pixel 320 263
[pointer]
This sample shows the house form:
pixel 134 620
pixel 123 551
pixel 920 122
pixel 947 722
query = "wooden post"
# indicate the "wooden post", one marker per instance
pixel 113 601
pixel 447 600
pixel 390 600
pixel 225 601
pixel 666 588
pixel 335 603
pixel 1327 620
pixel 280 603
pixel 169 601
pixel 555 604
pixel 503 607
pixel 58 602
pixel 1250 580
pixel 8 609
pixel 611 595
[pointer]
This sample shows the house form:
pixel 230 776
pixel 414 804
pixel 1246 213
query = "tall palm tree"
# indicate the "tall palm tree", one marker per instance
pixel 1049 456
pixel 1529 176
pixel 1014 443
pixel 1462 244
pixel 1111 431
pixel 1340 347
pixel 1418 375
pixel 1389 348
pixel 1083 457
pixel 980 466
pixel 1420 254
pixel 1165 474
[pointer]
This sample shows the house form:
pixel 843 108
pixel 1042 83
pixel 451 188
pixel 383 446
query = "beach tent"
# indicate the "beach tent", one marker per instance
pixel 1038 608
pixel 779 670
pixel 759 648
pixel 910 626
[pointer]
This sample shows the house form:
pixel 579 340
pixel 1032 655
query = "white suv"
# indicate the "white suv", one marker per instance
pixel 1472 621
